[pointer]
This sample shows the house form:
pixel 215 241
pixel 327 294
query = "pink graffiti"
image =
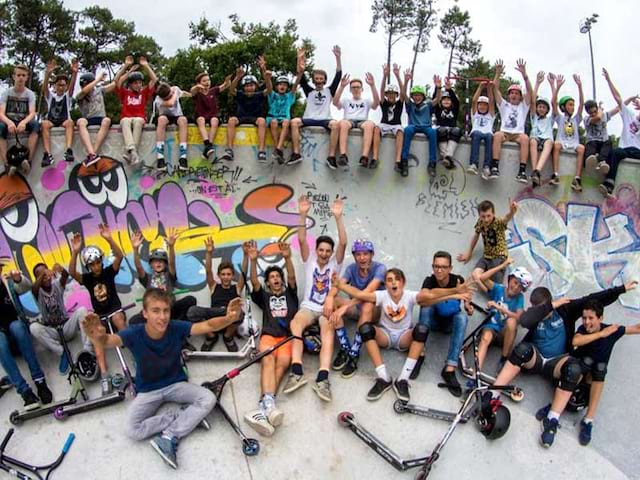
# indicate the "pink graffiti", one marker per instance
pixel 146 181
pixel 211 191
pixel 53 178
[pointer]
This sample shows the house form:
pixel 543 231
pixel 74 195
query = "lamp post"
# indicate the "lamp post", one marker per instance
pixel 585 27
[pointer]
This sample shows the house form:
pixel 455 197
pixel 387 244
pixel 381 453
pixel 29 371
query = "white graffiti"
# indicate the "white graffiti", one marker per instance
pixel 584 253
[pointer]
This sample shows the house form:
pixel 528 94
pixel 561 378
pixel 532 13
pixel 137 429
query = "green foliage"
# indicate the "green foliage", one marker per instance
pixel 423 22
pixel 455 31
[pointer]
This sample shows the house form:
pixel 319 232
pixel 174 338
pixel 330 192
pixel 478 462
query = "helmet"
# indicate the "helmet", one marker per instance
pixel 515 86
pixel 362 245
pixel 543 100
pixel 589 104
pixel 418 89
pixel 135 76
pixel 391 89
pixel 497 425
pixel 86 78
pixel 282 79
pixel 312 340
pixel 91 254
pixel 562 102
pixel 17 154
pixel 523 276
pixel 445 94
pixel 247 79
pixel 159 254
pixel 483 99
pixel 579 398
pixel 87 366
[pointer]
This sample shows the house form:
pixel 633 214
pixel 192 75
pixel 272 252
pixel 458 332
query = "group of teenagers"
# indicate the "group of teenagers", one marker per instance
pixel 268 103
pixel 365 291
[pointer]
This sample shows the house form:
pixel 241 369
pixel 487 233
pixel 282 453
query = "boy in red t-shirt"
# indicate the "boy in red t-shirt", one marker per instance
pixel 134 98
pixel 205 98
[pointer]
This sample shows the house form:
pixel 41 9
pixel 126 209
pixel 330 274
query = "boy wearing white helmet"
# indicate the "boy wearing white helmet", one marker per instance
pixel 483 114
pixel 101 284
pixel 541 142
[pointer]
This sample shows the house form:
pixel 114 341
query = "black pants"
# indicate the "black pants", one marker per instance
pixel 617 156
pixel 603 149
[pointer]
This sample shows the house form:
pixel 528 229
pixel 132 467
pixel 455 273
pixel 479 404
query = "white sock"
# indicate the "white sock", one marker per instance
pixel 551 415
pixel 382 373
pixel 587 420
pixel 407 369
pixel 495 394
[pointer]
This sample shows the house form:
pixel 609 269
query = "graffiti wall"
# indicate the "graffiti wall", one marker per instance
pixel 572 243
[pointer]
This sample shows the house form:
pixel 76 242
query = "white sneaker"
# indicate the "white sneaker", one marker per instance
pixel 603 168
pixel 259 423
pixel 275 416
pixel 134 159
pixel 591 162
pixel 472 169
pixel 486 173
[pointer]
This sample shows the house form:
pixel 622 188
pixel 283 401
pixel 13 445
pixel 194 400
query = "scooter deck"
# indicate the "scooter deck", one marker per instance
pixel 400 407
pixel 17 417
pixel 82 407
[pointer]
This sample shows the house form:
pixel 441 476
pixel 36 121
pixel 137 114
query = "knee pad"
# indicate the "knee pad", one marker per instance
pixel 522 354
pixel 367 332
pixel 599 372
pixel 420 333
pixel 570 375
pixel 455 134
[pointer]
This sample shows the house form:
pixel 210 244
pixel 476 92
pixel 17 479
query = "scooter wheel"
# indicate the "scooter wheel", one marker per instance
pixel 253 354
pixel 250 447
pixel 59 414
pixel 423 473
pixel 517 395
pixel 117 380
pixel 345 419
pixel 399 406
pixel 14 418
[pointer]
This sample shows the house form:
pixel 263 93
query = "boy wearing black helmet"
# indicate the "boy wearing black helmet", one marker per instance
pixel 541 142
pixel 449 134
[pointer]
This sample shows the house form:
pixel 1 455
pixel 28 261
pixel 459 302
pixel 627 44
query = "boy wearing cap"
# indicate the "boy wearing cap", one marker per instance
pixel 483 114
pixel 541 142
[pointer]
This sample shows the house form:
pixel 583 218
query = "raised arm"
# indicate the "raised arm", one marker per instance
pixel 233 88
pixel 105 232
pixel 534 95
pixel 437 82
pixel 338 75
pixel 51 65
pixel 337 209
pixel 285 251
pixel 299 74
pixel 147 68
pixel 225 84
pixel 499 68
pixel 216 324
pixel 403 86
pixel 208 262
pixel 521 66
pixel 244 269
pixel 383 81
pixel 476 96
pixel 372 84
pixel 76 245
pixel 97 333
pixel 172 236
pixel 338 95
pixel 614 91
pixel 252 253
pixel 304 205
pixel 491 93
pixel 136 242
pixel 125 69
pixel 578 80
pixel 35 288
pixel 554 98
pixel 337 52
pixel 62 273
pixel 513 208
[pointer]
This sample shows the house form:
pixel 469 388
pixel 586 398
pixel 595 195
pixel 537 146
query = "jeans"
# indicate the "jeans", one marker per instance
pixel 476 140
pixel 432 135
pixel 19 335
pixel 617 156
pixel 455 326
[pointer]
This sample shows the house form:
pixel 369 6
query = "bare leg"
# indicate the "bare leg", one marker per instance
pixel 556 156
pixel 399 140
pixel 32 143
pixel 46 135
pixel 296 124
pixel 345 126
pixel 498 140
pixel 579 160
pixel 377 139
pixel 509 333
pixel 273 126
pixel 367 137
pixel 326 351
pixel 546 153
pixel 105 125
pixel 231 131
pixel 202 128
pixel 268 374
pixel 262 132
pixel 333 138
pixel 282 365
pixel 213 129
pixel 68 133
pixel 485 341
pixel 595 393
pixel 283 134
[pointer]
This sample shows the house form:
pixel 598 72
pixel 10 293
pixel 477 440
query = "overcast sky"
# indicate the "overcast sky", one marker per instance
pixel 544 32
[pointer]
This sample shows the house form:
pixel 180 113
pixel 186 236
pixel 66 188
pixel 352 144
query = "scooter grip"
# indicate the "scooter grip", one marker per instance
pixel 6 438
pixel 67 444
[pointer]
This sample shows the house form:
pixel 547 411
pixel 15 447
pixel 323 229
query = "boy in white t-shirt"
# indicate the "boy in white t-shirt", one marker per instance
pixel 568 120
pixel 542 122
pixel 169 111
pixel 513 116
pixel 316 304
pixel 396 326
pixel 356 115
pixel 483 114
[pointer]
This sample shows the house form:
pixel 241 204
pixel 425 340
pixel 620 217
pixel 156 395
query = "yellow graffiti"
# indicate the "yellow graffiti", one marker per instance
pixel 245 136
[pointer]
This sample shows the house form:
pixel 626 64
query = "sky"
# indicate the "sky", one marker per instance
pixel 545 33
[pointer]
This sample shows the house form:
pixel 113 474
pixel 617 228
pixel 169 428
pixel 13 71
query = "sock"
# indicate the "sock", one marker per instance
pixel 322 375
pixel 296 369
pixel 382 373
pixel 207 143
pixel 587 420
pixel 555 174
pixel 551 415
pixel 268 402
pixel 159 149
pixel 183 150
pixel 407 369
pixel 343 339
pixel 356 346
pixel 495 394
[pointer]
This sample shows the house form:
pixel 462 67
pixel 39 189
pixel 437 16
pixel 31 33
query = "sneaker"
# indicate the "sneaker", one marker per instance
pixel 90 159
pixel 186 345
pixel 576 184
pixel 379 388
pixel 161 165
pixel 294 382
pixel 26 167
pixel 364 162
pixel 606 189
pixel 274 415
pixel 278 156
pixel 183 164
pixel 591 163
pixel 404 168
pixel 228 155
pixel 44 393
pixel 343 160
pixel 451 381
pixel 134 159
pixel 167 448
pixel 126 156
pixel 331 163
pixel 495 173
pixel 31 402
pixel 431 170
pixel 472 169
pixel 555 179
pixel 549 430
pixel 47 159
pixel 208 150
pixel 68 156
pixel 603 168
pixel 323 390
pixel 448 163
pixel 294 158
pixel 230 343
pixel 5 383
pixel 106 385
pixel 373 164
pixel 209 343
pixel 401 387
pixel 340 361
pixel 12 170
pixel 543 412
pixel 584 437
pixel 258 421
pixel 522 177
pixel 63 366
pixel 262 156
pixel 535 178
pixel 350 368
pixel 486 173
pixel 416 368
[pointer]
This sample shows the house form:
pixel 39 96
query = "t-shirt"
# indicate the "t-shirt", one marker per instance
pixel 599 350
pixel 630 129
pixel 512 117
pixel 396 316
pixel 58 107
pixel 482 122
pixel 159 362
pixel 92 104
pixel 51 304
pixel 133 103
pixel 280 104
pixel 250 105
pixel 317 282
pixel 568 134
pixel 220 297
pixel 162 280
pixel 377 271
pixel 175 111
pixel 419 114
pixel 499 295
pixel 391 112
pixel 318 104
pixel 17 104
pixel 493 237
pixel 356 109
pixel 8 311
pixel 449 117
pixel 102 290
pixel 277 310
pixel 445 308
pixel 542 127
pixel 597 131
pixel 550 336
pixel 206 104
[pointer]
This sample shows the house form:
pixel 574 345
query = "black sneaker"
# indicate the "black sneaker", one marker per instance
pixel 576 184
pixel 340 361
pixel 401 387
pixel 543 412
pixel 262 156
pixel 31 402
pixel 416 368
pixel 183 164
pixel 555 179
pixel 186 345
pixel 495 173
pixel 379 388
pixel 68 156
pixel 585 433
pixel 364 162
pixel 208 150
pixel 350 368
pixel 209 343
pixel 228 155
pixel 90 159
pixel 294 158
pixel 431 170
pixel 606 189
pixel 449 163
pixel 161 165
pixel 278 155
pixel 331 163
pixel 452 382
pixel 404 168
pixel 522 177
pixel 535 179
pixel 230 343
pixel 373 164
pixel 343 160
pixel 47 159
pixel 549 430
pixel 44 393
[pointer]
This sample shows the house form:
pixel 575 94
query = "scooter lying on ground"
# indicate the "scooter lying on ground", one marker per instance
pixel 11 465
pixel 250 446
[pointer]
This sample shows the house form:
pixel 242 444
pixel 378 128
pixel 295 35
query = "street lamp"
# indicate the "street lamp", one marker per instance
pixel 585 27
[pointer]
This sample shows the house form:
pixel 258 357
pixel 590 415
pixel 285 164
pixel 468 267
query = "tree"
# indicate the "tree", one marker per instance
pixel 204 33
pixel 455 31
pixel 395 16
pixel 423 22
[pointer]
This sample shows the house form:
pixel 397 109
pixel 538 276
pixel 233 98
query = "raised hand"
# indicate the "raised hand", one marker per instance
pixel 407 75
pixel 239 72
pixel 252 250
pixel 75 65
pixel 137 240
pixel 105 231
pixel 262 64
pixel 93 327
pixel 142 61
pixel 76 243
pixel 447 83
pixel 521 66
pixel 513 206
pixel 540 77
pixel 285 249
pixel 337 51
pixel 499 67
pixel 208 244
pixel 605 74
pixel 128 60
pixel 560 80
pixel 101 76
pixel 16 276
pixel 396 69
pixel 577 79
pixel 304 205
pixel 337 207
pixel 57 269
pixel 172 236
pixel 51 65
pixel 437 81
pixel 368 78
pixel 345 80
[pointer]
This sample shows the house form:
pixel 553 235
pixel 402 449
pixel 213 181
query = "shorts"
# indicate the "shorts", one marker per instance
pixel 94 121
pixel 32 127
pixel 207 120
pixel 310 122
pixel 267 341
pixel 247 120
pixel 598 370
pixel 57 122
pixel 357 123
pixel 277 119
pixel 512 137
pixel 314 317
pixel 496 329
pixel 546 366
pixel 489 263
pixel 541 142
pixel 171 119
pixel 393 336
pixel 569 147
pixel 387 128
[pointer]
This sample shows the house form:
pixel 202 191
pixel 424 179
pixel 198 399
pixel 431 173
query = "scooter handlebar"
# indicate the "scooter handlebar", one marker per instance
pixel 6 439
pixel 68 443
